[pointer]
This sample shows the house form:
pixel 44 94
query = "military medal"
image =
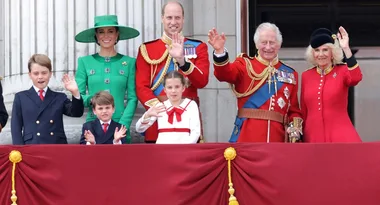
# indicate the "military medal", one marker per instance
pixel 286 92
pixel 190 51
pixel 281 102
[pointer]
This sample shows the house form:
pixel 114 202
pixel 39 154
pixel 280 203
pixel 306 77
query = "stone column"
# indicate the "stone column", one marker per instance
pixel 49 27
pixel 218 105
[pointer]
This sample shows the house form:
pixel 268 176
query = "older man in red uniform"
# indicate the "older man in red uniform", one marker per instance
pixel 266 89
pixel 172 51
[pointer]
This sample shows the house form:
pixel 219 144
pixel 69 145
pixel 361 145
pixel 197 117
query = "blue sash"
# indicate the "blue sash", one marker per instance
pixel 257 99
pixel 171 67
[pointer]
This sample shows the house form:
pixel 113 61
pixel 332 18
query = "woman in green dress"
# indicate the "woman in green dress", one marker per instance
pixel 108 70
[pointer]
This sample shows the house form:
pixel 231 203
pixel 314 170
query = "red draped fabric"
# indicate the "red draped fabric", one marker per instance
pixel 262 174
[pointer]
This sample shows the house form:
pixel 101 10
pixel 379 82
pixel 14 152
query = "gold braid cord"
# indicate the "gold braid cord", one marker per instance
pixel 254 76
pixel 230 154
pixel 155 63
pixel 155 86
pixel 15 157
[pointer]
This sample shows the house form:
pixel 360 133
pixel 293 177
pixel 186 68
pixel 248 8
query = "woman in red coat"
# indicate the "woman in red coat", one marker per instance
pixel 324 88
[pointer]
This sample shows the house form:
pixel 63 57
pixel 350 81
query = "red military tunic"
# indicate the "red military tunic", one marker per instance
pixel 239 74
pixel 324 99
pixel 152 64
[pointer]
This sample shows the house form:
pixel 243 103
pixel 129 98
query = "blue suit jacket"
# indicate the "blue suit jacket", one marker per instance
pixel 100 137
pixel 41 122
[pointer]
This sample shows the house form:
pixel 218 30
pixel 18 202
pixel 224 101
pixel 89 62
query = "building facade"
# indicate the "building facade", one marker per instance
pixel 49 27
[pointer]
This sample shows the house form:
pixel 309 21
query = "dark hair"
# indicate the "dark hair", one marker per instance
pixel 102 98
pixel 96 40
pixel 175 74
pixel 163 8
pixel 40 59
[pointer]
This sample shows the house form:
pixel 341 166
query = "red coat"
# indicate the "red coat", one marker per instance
pixel 284 102
pixel 151 60
pixel 324 101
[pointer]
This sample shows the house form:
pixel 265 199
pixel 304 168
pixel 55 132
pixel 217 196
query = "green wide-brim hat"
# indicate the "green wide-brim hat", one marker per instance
pixel 88 35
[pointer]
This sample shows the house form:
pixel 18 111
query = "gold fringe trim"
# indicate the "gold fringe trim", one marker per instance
pixel 15 157
pixel 230 154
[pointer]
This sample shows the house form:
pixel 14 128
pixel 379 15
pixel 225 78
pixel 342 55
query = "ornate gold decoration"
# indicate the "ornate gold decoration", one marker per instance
pixel 295 129
pixel 230 154
pixel 163 73
pixel 324 71
pixel 254 76
pixel 152 102
pixel 146 57
pixel 15 157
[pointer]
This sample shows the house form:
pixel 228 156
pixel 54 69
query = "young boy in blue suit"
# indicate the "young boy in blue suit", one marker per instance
pixel 37 114
pixel 103 130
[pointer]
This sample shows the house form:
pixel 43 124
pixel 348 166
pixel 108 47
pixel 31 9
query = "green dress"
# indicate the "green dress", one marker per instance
pixel 116 75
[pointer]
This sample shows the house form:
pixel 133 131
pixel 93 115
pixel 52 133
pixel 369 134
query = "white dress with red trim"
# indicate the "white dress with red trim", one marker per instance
pixel 178 125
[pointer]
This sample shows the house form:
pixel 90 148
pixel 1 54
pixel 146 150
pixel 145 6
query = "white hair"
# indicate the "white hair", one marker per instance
pixel 267 26
pixel 337 53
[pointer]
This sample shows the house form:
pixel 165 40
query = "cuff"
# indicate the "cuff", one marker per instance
pixel 222 60
pixel 352 63
pixel 114 142
pixel 188 68
pixel 89 143
pixel 152 102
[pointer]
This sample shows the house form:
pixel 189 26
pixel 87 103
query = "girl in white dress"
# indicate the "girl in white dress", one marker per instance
pixel 178 119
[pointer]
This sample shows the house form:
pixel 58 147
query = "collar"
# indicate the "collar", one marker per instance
pixel 101 122
pixel 37 89
pixel 265 62
pixel 324 71
pixel 166 39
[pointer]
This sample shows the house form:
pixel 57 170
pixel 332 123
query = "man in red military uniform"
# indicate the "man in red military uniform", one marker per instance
pixel 172 51
pixel 266 89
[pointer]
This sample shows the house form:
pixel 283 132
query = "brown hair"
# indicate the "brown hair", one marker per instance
pixel 163 8
pixel 40 59
pixel 102 98
pixel 175 74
